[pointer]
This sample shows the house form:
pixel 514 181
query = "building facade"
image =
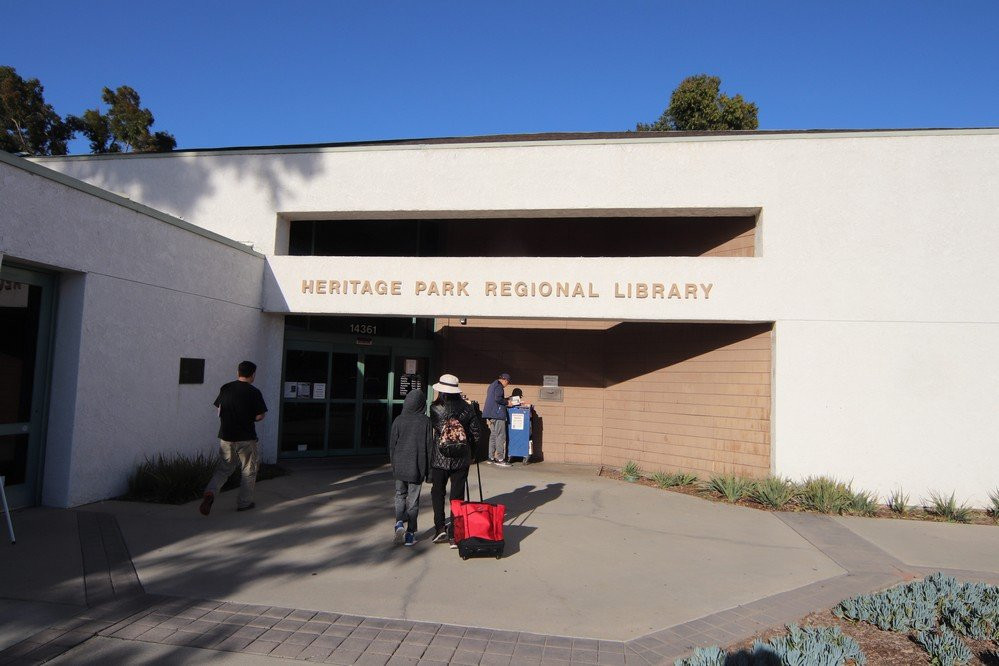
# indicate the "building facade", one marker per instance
pixel 792 303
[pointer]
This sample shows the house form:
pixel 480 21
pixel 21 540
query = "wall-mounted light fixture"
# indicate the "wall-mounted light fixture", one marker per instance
pixel 463 321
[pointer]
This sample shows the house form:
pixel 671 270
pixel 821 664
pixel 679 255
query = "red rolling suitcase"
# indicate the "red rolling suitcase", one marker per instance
pixel 478 527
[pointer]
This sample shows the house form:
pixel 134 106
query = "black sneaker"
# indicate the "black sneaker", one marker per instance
pixel 440 537
pixel 452 544
pixel 247 507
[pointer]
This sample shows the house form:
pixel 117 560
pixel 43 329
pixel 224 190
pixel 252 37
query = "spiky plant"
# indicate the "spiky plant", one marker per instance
pixel 898 502
pixel 825 495
pixel 994 508
pixel 631 471
pixel 863 503
pixel 732 488
pixel 948 508
pixel 774 492
pixel 661 479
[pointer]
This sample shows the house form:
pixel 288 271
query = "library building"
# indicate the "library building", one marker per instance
pixel 792 303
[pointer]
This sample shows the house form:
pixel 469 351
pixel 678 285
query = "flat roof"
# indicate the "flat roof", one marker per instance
pixel 555 138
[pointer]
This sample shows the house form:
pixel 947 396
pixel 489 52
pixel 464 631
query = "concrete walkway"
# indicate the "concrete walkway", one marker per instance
pixel 596 571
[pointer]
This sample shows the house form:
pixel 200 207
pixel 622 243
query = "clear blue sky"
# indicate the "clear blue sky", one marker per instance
pixel 238 73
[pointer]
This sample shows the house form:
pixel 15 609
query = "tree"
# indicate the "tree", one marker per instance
pixel 29 125
pixel 697 104
pixel 125 126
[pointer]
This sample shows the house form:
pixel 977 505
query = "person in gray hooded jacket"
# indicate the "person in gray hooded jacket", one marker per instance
pixel 409 452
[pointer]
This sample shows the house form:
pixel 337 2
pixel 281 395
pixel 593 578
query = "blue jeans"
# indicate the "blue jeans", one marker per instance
pixel 407 503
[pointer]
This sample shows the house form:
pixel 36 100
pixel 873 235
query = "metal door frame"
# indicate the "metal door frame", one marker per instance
pixel 29 493
pixel 337 343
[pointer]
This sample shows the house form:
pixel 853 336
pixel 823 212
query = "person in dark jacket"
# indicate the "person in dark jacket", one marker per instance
pixel 409 452
pixel 449 405
pixel 494 411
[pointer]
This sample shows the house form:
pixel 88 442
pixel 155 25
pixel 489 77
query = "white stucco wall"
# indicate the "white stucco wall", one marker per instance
pixel 874 260
pixel 136 294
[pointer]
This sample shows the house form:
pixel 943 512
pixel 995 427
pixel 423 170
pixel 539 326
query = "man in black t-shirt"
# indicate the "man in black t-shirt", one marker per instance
pixel 240 406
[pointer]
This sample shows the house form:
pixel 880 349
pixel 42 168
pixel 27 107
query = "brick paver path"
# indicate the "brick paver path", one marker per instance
pixel 119 608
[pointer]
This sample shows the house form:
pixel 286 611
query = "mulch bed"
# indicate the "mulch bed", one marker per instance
pixel 880 647
pixel 978 517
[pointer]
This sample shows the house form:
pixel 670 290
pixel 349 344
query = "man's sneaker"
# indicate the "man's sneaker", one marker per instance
pixel 490 461
pixel 502 463
pixel 247 507
pixel 410 539
pixel 451 544
pixel 400 531
pixel 206 504
pixel 440 537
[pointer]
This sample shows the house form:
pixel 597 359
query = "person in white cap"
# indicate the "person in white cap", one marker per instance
pixel 457 430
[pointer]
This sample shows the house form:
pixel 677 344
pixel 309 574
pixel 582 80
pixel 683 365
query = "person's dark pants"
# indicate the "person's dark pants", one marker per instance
pixel 407 503
pixel 439 477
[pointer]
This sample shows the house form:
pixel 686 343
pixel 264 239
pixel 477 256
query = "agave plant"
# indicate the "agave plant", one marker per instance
pixel 825 495
pixel 898 502
pixel 631 471
pixel 863 503
pixel 774 492
pixel 732 488
pixel 994 508
pixel 948 508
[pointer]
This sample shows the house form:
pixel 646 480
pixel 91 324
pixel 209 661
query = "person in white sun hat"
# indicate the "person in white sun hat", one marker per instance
pixel 457 430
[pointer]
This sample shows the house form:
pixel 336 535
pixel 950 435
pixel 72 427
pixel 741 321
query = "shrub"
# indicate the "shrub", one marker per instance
pixel 684 479
pixel 820 493
pixel 944 647
pixel 631 471
pixel 178 478
pixel 863 503
pixel 948 508
pixel 970 609
pixel 661 479
pixel 898 502
pixel 670 480
pixel 732 488
pixel 711 656
pixel 818 646
pixel 774 492
pixel 994 509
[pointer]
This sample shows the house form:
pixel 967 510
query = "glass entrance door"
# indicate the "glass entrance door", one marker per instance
pixel 25 331
pixel 336 400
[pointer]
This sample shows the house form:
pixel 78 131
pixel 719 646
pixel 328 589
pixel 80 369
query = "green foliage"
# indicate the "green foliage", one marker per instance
pixel 732 488
pixel 994 509
pixel 936 602
pixel 710 656
pixel 863 503
pixel 177 478
pixel 774 492
pixel 898 502
pixel 698 104
pixel 670 480
pixel 944 647
pixel 825 495
pixel 808 646
pixel 124 128
pixel 27 123
pixel 631 471
pixel 662 479
pixel 948 508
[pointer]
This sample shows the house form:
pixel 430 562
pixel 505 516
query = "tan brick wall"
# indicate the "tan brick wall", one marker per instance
pixel 694 397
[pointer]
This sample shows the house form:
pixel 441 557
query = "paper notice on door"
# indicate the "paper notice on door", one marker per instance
pixel 291 389
pixel 319 391
pixel 304 389
pixel 410 366
pixel 516 422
